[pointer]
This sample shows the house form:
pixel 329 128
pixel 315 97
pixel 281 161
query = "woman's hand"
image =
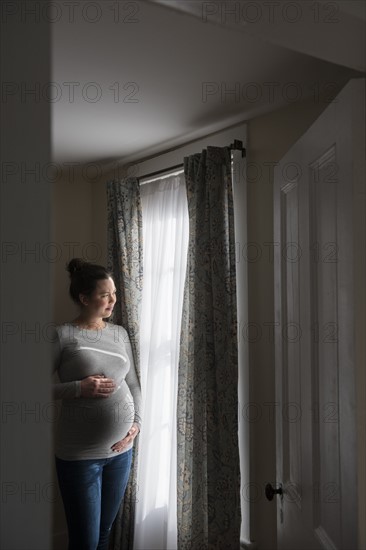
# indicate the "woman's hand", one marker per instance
pixel 121 445
pixel 97 386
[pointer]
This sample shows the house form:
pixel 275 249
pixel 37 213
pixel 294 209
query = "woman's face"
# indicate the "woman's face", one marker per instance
pixel 101 302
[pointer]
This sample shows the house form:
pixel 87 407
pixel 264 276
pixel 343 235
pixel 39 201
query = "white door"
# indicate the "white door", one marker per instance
pixel 315 231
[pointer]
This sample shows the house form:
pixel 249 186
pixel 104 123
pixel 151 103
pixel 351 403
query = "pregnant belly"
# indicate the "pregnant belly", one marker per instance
pixel 94 425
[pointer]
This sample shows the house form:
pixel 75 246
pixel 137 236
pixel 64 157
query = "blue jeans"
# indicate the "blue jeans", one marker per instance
pixel 92 492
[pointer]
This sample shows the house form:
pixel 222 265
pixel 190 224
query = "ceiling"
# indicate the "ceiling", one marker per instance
pixel 131 79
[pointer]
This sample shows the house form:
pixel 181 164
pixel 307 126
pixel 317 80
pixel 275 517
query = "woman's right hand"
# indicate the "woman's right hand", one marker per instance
pixel 97 386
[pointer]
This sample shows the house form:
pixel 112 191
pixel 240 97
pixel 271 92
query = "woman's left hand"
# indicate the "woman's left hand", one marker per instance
pixel 132 433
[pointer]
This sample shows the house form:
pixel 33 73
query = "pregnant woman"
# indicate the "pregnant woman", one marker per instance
pixel 99 417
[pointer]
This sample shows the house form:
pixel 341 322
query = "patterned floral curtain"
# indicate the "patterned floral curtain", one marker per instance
pixel 208 476
pixel 125 262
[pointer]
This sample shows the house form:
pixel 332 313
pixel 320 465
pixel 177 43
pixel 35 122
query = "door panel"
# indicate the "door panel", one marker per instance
pixel 324 343
pixel 315 231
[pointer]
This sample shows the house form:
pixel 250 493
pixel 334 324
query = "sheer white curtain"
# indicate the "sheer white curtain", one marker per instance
pixel 165 241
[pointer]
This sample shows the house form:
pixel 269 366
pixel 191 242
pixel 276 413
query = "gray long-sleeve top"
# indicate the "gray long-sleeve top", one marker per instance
pixel 88 427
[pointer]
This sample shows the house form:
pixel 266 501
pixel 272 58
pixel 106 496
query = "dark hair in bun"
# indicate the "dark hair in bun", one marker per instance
pixel 84 277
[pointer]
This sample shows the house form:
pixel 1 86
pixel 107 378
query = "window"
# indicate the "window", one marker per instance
pixel 155 526
pixel 165 241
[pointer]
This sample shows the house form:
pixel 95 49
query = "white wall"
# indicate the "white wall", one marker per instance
pixel 72 235
pixel 26 288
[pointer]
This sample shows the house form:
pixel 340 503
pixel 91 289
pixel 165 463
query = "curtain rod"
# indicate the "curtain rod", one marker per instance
pixel 163 171
pixel 237 146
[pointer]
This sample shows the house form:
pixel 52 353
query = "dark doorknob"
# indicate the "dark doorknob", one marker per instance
pixel 271 492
